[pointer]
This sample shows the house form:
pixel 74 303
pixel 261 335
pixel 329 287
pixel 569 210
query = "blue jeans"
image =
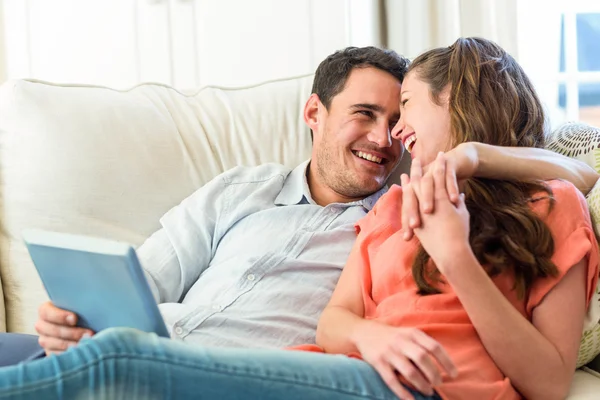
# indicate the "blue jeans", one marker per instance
pixel 18 347
pixel 124 363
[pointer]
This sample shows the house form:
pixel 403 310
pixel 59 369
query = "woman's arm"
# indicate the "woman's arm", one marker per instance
pixel 342 320
pixel 538 358
pixel 390 350
pixel 525 163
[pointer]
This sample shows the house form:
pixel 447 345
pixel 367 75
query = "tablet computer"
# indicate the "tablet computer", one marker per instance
pixel 100 280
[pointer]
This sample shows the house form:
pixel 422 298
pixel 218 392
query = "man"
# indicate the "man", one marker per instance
pixel 251 258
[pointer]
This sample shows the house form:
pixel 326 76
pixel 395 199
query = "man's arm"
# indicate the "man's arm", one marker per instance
pixel 174 257
pixel 523 163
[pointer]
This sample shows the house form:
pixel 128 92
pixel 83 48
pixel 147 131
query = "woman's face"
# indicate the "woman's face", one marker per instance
pixel 424 126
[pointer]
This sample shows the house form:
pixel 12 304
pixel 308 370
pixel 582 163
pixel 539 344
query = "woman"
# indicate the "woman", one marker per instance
pixel 501 280
pixel 487 301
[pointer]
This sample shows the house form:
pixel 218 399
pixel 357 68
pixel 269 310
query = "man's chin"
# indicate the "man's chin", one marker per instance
pixel 370 185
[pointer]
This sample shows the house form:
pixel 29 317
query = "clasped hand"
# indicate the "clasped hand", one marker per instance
pixel 434 210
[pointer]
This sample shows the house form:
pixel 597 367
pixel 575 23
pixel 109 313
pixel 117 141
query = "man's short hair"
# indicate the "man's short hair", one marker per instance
pixel 332 73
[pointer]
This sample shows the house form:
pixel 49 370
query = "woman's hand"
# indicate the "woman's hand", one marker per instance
pixel 445 230
pixel 408 352
pixel 462 162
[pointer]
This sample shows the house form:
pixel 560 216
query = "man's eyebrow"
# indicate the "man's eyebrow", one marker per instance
pixel 368 106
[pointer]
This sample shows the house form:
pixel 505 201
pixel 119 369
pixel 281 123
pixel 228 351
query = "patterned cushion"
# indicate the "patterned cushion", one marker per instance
pixel 582 142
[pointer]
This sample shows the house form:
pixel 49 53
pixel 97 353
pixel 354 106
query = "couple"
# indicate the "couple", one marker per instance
pixel 471 281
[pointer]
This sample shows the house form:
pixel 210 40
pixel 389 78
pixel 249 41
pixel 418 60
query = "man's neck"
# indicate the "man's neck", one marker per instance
pixel 322 194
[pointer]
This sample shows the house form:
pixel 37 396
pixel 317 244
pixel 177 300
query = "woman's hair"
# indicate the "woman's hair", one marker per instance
pixel 492 101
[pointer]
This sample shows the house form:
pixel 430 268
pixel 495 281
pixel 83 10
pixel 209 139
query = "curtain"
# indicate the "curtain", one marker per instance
pixel 412 27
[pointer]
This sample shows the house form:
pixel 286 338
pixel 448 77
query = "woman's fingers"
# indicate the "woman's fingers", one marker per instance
pixel 422 360
pixel 387 373
pixel 452 182
pixel 439 178
pixel 410 208
pixel 411 372
pixel 437 351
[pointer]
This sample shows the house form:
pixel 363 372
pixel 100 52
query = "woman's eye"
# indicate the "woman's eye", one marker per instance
pixel 403 102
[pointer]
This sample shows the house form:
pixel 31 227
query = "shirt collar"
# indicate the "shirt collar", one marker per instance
pixel 295 190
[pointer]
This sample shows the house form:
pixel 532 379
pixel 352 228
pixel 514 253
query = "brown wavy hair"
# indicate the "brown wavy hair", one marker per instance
pixel 492 101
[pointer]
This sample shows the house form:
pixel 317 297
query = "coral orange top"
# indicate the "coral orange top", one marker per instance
pixel 389 291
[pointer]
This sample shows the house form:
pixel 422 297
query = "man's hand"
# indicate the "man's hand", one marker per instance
pixel 57 329
pixel 408 352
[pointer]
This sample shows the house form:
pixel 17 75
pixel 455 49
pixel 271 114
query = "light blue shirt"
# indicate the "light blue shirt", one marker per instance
pixel 250 260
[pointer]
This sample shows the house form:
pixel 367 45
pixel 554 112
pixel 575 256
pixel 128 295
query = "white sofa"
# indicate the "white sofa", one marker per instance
pixel 97 161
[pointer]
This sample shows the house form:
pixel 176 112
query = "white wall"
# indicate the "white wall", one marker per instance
pixel 187 44
pixel 2 51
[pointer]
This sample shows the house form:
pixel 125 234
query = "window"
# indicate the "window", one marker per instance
pixel 579 94
pixel 559 47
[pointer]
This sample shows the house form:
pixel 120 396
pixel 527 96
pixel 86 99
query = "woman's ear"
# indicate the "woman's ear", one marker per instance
pixel 311 112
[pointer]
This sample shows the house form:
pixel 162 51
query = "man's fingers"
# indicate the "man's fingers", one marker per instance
pixel 410 208
pixel 54 345
pixel 391 380
pixel 69 333
pixel 436 349
pixel 49 312
pixel 411 372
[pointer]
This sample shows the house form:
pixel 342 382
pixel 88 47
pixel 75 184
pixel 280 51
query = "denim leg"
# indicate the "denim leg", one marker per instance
pixel 127 364
pixel 18 347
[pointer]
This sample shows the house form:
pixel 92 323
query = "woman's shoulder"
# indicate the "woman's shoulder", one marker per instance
pixel 569 209
pixel 567 196
pixel 386 211
pixel 390 201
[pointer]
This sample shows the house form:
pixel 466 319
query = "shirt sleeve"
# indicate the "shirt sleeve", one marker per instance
pixel 174 257
pixel 574 240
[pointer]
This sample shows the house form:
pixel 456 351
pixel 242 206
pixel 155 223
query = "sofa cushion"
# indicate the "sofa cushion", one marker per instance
pixel 585 385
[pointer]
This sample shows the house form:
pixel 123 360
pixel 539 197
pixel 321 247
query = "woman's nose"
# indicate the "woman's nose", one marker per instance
pixel 398 128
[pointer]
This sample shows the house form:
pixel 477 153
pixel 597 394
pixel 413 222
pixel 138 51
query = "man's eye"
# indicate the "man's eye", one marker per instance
pixel 366 113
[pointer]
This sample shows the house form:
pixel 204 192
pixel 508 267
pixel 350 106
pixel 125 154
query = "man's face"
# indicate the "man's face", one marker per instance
pixel 353 151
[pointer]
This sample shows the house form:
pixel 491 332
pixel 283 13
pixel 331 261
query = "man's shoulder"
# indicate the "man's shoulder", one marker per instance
pixel 255 174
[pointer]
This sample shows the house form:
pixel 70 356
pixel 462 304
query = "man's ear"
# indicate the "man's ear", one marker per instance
pixel 311 112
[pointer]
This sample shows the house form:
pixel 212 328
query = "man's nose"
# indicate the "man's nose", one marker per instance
pixel 381 135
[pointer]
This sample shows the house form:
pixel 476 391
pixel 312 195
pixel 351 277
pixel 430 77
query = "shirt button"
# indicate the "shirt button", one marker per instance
pixel 250 277
pixel 178 330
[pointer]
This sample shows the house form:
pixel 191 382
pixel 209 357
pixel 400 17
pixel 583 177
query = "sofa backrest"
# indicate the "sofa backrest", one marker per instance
pixel 109 163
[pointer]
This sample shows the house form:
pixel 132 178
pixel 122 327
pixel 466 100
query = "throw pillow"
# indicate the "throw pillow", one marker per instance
pixel 582 142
